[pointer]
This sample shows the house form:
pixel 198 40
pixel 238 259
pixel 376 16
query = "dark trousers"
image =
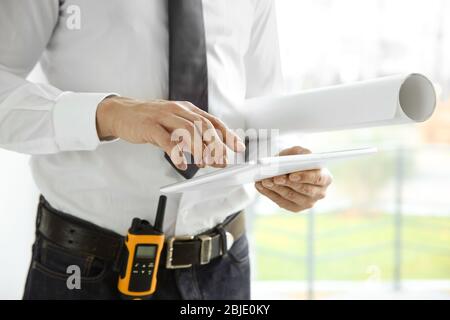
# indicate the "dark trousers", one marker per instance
pixel 226 277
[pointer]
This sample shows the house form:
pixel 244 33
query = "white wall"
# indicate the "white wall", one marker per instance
pixel 18 199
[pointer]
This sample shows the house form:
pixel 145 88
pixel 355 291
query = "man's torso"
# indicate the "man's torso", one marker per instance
pixel 122 46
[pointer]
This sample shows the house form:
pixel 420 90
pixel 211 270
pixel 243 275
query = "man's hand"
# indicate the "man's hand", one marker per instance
pixel 155 121
pixel 296 191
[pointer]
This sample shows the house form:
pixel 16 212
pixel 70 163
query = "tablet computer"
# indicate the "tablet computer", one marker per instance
pixel 263 168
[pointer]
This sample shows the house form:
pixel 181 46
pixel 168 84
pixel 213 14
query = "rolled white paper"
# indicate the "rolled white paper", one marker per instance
pixel 384 101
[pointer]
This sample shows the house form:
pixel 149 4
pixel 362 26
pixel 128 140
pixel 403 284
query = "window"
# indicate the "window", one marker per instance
pixel 384 228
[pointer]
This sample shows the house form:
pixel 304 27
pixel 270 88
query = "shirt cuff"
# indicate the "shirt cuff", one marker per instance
pixel 74 120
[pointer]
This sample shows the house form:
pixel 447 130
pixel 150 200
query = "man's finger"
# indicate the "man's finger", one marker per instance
pixel 216 147
pixel 293 151
pixel 280 201
pixel 232 140
pixel 267 183
pixel 193 143
pixel 217 150
pixel 293 196
pixel 280 180
pixel 316 177
pixel 163 140
pixel 309 190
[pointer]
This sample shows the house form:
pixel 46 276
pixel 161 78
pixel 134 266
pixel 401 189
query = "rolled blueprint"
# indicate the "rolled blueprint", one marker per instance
pixel 384 101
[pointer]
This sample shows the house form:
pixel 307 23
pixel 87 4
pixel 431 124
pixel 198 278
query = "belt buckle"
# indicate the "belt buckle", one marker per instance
pixel 205 249
pixel 169 259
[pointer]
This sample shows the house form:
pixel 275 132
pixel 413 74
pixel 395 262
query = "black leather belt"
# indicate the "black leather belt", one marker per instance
pixel 179 252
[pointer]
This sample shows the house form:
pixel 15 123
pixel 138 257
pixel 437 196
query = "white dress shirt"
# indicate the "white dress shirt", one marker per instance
pixel 89 49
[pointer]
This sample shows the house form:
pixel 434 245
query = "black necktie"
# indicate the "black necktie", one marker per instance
pixel 188 77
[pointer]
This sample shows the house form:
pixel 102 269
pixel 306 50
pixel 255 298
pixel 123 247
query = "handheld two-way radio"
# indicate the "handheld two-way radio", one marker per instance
pixel 143 246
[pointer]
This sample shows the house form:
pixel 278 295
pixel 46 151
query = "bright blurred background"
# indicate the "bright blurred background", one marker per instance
pixel 383 232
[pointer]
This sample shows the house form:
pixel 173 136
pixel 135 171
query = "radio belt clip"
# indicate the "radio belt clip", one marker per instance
pixel 142 250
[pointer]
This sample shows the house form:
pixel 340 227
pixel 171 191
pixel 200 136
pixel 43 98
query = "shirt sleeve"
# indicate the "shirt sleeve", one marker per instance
pixel 262 60
pixel 38 118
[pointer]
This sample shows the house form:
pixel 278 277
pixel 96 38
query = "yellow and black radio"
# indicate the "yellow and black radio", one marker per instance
pixel 143 246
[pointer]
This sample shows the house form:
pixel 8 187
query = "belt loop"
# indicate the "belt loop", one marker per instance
pixel 223 235
pixel 39 212
pixel 121 257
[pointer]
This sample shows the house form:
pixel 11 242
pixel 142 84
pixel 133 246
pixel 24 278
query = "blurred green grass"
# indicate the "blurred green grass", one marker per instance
pixel 351 246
